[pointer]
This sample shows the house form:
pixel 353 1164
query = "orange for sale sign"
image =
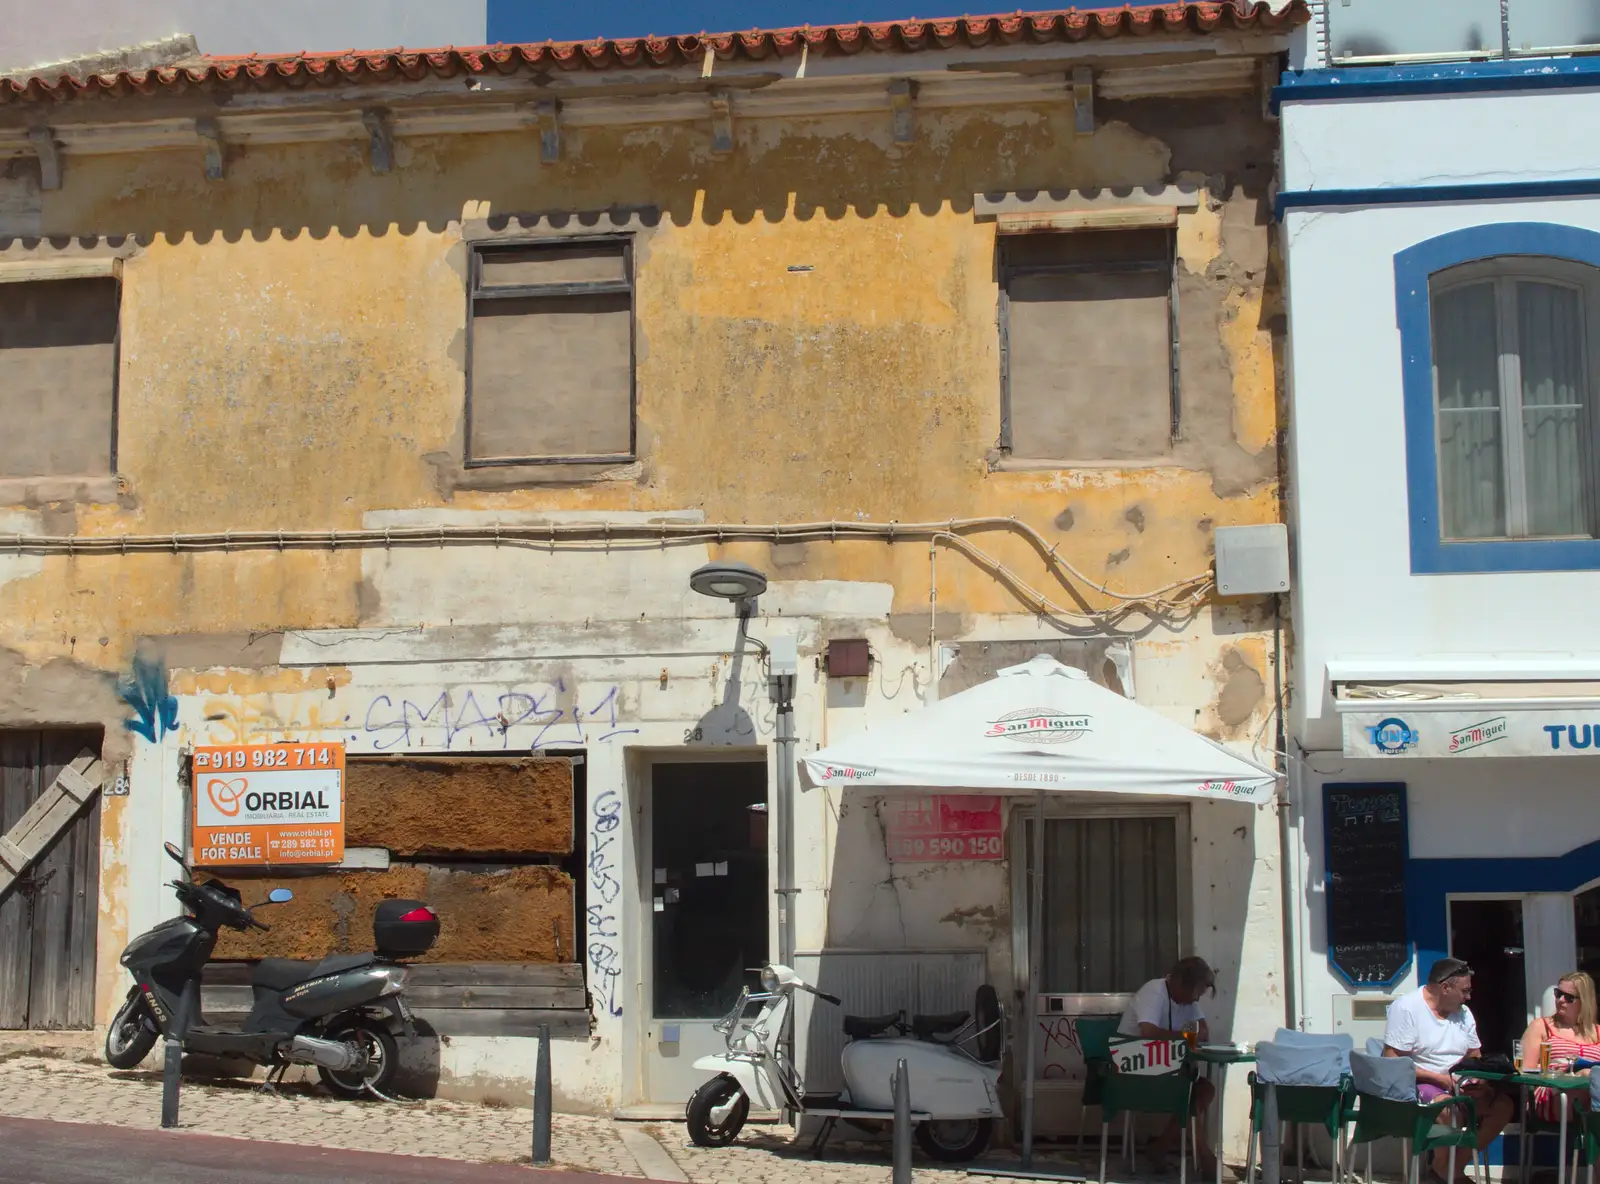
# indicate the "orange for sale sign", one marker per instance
pixel 265 804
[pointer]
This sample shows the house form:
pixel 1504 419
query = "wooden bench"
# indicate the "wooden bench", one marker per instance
pixel 454 999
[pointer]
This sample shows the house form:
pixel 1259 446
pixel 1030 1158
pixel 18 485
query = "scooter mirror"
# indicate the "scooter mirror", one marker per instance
pixel 176 855
pixel 280 896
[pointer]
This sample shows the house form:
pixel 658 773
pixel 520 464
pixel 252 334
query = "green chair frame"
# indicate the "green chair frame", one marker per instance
pixel 1165 1093
pixel 1327 1106
pixel 1417 1125
pixel 1094 1039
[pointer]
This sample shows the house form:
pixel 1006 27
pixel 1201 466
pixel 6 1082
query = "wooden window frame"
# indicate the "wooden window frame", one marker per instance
pixel 476 291
pixel 1009 272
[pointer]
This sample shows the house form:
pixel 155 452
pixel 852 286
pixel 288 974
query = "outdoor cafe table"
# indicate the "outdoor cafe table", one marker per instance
pixel 1218 1057
pixel 1561 1083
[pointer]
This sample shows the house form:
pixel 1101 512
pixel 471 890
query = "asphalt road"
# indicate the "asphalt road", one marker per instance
pixel 34 1152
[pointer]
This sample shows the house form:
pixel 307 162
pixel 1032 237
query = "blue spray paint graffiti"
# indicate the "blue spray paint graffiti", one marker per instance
pixel 145 690
pixel 605 960
pixel 449 717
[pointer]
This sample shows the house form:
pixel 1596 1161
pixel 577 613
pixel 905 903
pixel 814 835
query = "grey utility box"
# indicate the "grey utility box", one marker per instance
pixel 1252 560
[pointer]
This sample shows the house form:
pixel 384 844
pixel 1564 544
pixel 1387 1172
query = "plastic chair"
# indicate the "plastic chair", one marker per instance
pixel 1308 1075
pixel 1167 1093
pixel 1094 1038
pixel 1383 1084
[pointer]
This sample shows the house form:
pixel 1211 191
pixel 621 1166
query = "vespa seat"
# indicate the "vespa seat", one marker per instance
pixel 926 1027
pixel 864 1027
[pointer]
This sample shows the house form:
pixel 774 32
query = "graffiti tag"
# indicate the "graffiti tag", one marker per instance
pixel 605 960
pixel 145 690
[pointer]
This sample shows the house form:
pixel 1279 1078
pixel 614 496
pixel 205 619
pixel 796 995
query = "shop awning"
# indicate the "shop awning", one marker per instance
pixel 1041 726
pixel 1469 719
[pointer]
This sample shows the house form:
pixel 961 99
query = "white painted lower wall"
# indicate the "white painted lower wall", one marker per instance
pixel 631 691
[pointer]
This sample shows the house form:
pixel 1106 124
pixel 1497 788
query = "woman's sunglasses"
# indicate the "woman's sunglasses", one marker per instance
pixel 1565 996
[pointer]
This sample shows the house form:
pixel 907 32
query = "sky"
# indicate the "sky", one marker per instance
pixel 542 20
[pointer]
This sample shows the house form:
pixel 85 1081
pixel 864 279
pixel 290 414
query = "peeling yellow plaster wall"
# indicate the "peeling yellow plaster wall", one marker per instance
pixel 293 351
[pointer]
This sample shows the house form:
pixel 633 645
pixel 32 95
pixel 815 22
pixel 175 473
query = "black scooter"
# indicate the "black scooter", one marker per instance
pixel 339 1014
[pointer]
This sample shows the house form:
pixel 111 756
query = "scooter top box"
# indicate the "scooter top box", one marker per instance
pixel 404 928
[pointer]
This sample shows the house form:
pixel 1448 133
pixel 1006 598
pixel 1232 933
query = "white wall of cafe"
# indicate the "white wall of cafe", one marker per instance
pixel 1356 599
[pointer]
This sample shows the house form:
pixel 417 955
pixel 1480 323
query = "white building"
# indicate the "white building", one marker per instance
pixel 1440 222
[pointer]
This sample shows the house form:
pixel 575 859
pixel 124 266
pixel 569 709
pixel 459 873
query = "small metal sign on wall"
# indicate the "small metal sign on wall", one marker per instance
pixel 258 805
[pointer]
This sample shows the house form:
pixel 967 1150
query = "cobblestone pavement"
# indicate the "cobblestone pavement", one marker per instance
pixel 71 1091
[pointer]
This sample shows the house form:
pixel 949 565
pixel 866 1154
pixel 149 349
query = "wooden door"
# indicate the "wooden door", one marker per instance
pixel 47 921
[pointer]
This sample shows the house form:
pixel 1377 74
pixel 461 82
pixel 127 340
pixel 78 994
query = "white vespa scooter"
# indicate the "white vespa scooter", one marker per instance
pixel 954 1094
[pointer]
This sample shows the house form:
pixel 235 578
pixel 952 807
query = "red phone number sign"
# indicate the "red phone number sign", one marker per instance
pixel 942 828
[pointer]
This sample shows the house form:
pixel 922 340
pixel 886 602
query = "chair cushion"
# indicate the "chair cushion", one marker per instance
pixel 1392 1078
pixel 1300 1064
pixel 1341 1041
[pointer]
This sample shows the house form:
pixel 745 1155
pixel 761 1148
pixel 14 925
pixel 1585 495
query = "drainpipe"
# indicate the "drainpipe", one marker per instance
pixel 1288 853
pixel 785 667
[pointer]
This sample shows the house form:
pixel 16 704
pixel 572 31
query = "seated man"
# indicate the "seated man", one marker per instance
pixel 1434 1027
pixel 1161 1010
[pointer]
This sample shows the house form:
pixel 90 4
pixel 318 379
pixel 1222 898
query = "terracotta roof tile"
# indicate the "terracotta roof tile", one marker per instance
pixel 351 66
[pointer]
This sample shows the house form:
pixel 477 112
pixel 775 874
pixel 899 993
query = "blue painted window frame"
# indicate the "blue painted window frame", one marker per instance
pixel 1414 268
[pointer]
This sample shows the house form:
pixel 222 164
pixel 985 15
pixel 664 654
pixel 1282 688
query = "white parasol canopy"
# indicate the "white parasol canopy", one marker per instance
pixel 1041 726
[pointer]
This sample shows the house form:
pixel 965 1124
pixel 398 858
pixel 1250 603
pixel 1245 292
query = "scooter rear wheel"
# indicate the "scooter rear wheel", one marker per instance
pixel 704 1129
pixel 383 1060
pixel 131 1036
pixel 954 1140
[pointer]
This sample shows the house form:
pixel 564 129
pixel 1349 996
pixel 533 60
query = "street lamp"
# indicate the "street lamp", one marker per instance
pixel 738 582
pixel 741 583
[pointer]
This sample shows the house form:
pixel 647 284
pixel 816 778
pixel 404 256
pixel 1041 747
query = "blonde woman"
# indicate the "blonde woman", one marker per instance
pixel 1570 1033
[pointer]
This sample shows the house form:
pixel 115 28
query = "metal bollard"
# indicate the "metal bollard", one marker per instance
pixel 171 1074
pixel 541 1100
pixel 902 1125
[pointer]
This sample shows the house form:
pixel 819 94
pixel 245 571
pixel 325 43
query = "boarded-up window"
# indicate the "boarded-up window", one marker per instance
pixel 1087 345
pixel 552 354
pixel 58 367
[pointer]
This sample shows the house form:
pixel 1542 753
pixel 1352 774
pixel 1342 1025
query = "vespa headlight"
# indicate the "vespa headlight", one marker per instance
pixel 769 980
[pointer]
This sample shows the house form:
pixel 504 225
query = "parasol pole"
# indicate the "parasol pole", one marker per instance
pixel 1030 1019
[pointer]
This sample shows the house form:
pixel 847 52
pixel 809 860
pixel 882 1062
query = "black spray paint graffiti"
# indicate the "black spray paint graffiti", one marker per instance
pixel 605 960
pixel 449 718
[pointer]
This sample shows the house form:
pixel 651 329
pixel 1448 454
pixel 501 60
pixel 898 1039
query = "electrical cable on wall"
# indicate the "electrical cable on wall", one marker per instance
pixel 1181 596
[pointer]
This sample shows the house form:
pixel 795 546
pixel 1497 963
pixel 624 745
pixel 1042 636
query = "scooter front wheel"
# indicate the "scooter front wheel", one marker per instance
pixel 717 1112
pixel 954 1140
pixel 131 1035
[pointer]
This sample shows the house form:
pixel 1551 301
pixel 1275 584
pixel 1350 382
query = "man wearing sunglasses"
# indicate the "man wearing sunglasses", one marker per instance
pixel 1434 1028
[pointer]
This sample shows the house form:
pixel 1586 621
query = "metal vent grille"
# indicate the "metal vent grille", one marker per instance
pixel 875 982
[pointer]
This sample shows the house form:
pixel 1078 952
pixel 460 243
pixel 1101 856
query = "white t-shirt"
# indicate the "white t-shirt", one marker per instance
pixel 1432 1043
pixel 1152 1004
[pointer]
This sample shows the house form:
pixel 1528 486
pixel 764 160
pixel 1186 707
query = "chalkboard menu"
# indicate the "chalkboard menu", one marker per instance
pixel 1364 832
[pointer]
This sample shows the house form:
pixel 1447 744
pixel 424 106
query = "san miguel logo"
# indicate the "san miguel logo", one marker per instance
pixel 1044 726
pixel 847 773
